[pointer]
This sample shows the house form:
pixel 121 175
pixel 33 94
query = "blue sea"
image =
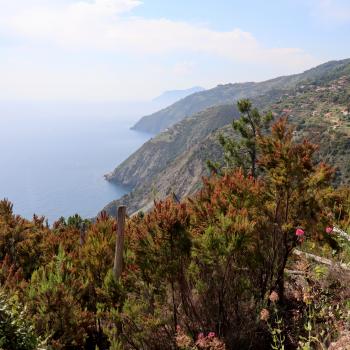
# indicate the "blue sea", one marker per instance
pixel 54 166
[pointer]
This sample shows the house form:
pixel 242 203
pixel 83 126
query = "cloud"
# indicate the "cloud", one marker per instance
pixel 81 23
pixel 98 49
pixel 107 25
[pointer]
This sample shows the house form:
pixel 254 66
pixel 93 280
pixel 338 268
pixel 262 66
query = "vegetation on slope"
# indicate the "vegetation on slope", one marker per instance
pixel 215 271
pixel 174 161
pixel 16 332
pixel 322 113
pixel 226 94
pixel 161 150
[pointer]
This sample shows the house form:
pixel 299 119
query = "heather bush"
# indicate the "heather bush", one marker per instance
pixel 53 299
pixel 202 273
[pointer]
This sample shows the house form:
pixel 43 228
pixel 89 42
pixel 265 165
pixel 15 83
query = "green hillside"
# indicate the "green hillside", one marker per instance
pixel 175 160
pixel 227 94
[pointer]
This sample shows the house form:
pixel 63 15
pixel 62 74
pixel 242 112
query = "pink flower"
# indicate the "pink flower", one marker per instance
pixel 200 336
pixel 274 297
pixel 299 232
pixel 211 335
pixel 264 315
pixel 329 229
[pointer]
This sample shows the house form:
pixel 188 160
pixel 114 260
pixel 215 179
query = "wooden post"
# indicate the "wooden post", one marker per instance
pixel 119 245
pixel 82 234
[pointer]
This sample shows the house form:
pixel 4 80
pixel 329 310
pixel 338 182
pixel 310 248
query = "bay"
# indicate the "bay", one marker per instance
pixel 54 166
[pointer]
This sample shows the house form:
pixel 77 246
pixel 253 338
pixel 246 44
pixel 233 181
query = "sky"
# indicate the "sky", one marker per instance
pixel 132 50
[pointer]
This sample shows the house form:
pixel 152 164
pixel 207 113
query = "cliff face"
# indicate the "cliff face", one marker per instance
pixel 175 160
pixel 160 152
pixel 229 93
pixel 181 177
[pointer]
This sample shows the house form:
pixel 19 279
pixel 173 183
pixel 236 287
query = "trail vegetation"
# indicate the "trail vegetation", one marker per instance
pixel 229 267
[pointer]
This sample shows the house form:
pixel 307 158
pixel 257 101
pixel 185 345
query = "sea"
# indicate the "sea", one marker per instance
pixel 54 165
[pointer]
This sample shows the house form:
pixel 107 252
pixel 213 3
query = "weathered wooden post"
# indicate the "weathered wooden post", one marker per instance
pixel 119 245
pixel 82 233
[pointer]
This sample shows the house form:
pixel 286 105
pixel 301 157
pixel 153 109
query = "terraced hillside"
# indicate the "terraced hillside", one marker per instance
pixel 227 94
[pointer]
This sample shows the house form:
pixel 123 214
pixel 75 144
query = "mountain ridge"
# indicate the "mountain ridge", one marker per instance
pixel 175 160
pixel 228 93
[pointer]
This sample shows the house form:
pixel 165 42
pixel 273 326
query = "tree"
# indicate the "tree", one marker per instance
pixel 244 231
pixel 243 152
pixel 299 192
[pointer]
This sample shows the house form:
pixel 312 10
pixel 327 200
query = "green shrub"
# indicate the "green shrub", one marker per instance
pixel 16 332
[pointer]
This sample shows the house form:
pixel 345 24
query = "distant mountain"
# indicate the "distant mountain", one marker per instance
pixel 175 160
pixel 229 93
pixel 169 97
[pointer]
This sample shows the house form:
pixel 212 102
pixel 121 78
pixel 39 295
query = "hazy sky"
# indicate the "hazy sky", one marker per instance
pixel 114 50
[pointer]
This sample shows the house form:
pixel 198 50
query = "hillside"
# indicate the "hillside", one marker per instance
pixel 161 150
pixel 181 177
pixel 224 94
pixel 175 160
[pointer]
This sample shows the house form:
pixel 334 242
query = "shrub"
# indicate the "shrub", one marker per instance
pixel 16 332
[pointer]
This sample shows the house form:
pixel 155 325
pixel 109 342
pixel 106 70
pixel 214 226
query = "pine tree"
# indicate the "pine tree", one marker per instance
pixel 243 152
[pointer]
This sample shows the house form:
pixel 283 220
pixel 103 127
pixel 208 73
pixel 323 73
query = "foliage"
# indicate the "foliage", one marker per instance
pixel 197 273
pixel 53 301
pixel 244 152
pixel 16 332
